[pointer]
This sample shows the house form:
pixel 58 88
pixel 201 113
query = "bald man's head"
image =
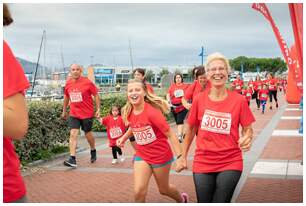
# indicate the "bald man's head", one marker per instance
pixel 75 71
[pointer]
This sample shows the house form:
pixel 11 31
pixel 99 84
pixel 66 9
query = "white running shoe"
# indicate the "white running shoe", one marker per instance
pixel 114 161
pixel 122 158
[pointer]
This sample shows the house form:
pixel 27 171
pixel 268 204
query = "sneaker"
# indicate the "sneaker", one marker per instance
pixel 93 155
pixel 270 107
pixel 114 161
pixel 276 105
pixel 180 138
pixel 71 162
pixel 122 158
pixel 185 197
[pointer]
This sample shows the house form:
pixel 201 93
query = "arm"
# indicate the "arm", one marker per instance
pixel 185 103
pixel 97 101
pixel 15 110
pixel 245 141
pixel 174 142
pixel 181 164
pixel 168 98
pixel 120 142
pixel 64 113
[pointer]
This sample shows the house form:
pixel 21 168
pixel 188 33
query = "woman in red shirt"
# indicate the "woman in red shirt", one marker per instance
pixel 257 87
pixel 139 73
pixel 174 96
pixel 263 97
pixel 216 115
pixel 15 120
pixel 143 113
pixel 272 86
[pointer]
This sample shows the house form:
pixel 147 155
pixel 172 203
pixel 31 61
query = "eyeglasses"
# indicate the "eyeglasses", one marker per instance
pixel 214 69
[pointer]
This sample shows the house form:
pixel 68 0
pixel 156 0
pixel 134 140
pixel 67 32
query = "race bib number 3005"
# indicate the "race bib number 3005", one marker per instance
pixel 144 135
pixel 217 122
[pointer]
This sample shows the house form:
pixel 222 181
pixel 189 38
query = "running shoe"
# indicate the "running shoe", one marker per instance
pixel 185 197
pixel 122 158
pixel 71 162
pixel 114 161
pixel 93 155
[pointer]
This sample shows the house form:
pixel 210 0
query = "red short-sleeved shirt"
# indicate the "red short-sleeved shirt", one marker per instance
pixel 237 84
pixel 149 128
pixel 149 87
pixel 80 94
pixel 272 84
pixel 115 128
pixel 247 93
pixel 218 131
pixel 194 89
pixel 257 85
pixel 14 81
pixel 176 93
pixel 263 94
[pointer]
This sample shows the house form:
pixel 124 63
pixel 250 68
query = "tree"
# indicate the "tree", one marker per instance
pixel 149 75
pixel 163 72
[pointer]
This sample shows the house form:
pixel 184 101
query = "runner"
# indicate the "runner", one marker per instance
pixel 174 96
pixel 216 115
pixel 78 92
pixel 263 97
pixel 196 87
pixel 144 114
pixel 247 92
pixel 237 84
pixel 272 85
pixel 139 73
pixel 257 87
pixel 115 129
pixel 15 120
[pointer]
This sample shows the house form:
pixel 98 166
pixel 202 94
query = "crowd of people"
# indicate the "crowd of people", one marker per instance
pixel 205 110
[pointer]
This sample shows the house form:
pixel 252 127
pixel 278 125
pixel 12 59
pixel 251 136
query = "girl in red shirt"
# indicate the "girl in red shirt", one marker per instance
pixel 247 93
pixel 263 97
pixel 115 129
pixel 216 115
pixel 174 96
pixel 237 84
pixel 143 113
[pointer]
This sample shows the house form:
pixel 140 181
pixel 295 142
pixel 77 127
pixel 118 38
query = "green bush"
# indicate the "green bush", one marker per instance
pixel 47 131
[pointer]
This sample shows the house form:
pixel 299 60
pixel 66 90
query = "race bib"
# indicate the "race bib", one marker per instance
pixel 251 85
pixel 115 132
pixel 144 135
pixel 75 96
pixel 271 87
pixel 259 87
pixel 238 87
pixel 217 122
pixel 264 95
pixel 248 94
pixel 179 93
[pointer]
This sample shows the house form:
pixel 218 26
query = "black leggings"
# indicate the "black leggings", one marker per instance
pixel 255 96
pixel 116 149
pixel 217 186
pixel 274 94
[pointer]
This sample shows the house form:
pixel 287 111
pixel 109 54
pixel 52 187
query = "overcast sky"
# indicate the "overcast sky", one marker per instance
pixel 160 34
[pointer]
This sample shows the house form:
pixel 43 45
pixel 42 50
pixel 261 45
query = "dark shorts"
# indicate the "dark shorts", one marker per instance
pixel 85 124
pixel 180 116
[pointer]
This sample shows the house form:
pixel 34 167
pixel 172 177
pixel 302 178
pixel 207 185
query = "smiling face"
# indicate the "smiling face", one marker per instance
pixel 135 93
pixel 115 111
pixel 217 73
pixel 202 79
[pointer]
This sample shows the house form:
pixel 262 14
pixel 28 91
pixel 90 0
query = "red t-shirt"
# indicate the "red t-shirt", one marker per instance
pixel 149 87
pixel 176 93
pixel 247 93
pixel 115 128
pixel 149 128
pixel 257 85
pixel 237 84
pixel 263 94
pixel 272 84
pixel 251 84
pixel 80 93
pixel 194 89
pixel 218 123
pixel 14 81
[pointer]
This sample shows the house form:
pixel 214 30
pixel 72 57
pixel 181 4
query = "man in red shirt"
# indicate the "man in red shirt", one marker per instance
pixel 15 120
pixel 78 92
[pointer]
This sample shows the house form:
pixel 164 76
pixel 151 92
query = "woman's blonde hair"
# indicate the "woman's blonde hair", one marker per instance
pixel 217 56
pixel 155 101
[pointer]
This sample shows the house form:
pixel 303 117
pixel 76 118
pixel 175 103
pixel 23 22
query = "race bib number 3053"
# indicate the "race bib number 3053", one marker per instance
pixel 144 135
pixel 76 96
pixel 217 122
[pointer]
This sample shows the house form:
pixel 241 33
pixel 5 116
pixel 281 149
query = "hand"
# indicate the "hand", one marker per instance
pixel 180 164
pixel 97 113
pixel 188 106
pixel 245 143
pixel 64 115
pixel 120 142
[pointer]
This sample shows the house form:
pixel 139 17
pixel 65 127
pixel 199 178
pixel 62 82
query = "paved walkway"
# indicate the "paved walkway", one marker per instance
pixel 272 169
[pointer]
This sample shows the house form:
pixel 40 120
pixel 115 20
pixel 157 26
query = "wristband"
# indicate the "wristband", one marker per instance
pixel 179 156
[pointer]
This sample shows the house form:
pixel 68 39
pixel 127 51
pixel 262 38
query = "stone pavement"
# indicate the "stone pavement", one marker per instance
pixel 272 169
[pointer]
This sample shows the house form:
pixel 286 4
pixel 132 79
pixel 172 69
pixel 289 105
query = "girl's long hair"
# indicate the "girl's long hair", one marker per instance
pixel 155 101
